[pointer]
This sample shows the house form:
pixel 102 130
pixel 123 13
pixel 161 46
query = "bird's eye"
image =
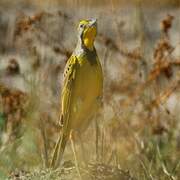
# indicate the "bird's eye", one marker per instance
pixel 81 25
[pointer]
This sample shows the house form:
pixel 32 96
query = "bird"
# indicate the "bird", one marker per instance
pixel 82 90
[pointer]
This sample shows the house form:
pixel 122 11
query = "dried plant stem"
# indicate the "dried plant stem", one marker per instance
pixel 45 144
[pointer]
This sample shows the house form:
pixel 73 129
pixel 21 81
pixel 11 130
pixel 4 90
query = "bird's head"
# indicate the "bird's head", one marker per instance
pixel 87 32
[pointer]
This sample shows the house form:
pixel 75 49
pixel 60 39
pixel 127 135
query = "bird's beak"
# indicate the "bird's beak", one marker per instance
pixel 93 22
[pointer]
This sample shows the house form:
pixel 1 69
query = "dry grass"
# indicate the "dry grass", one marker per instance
pixel 139 122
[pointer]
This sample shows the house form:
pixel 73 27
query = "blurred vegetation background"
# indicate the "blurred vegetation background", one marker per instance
pixel 138 44
pixel 154 3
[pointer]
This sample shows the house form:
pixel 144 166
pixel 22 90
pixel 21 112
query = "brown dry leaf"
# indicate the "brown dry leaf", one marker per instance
pixel 133 54
pixel 164 95
pixel 166 24
pixel 13 102
pixel 13 67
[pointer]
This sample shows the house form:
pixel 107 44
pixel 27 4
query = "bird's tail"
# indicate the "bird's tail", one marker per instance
pixel 59 150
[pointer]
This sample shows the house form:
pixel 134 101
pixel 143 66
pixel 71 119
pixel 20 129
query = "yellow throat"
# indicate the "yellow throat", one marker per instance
pixel 89 37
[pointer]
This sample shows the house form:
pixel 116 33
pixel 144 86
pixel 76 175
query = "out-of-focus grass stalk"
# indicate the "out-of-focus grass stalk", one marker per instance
pixel 45 143
pixel 163 165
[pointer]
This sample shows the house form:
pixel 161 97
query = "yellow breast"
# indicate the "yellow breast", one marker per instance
pixel 87 91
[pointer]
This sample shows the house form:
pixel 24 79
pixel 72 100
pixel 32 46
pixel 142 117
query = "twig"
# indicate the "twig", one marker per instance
pixel 45 144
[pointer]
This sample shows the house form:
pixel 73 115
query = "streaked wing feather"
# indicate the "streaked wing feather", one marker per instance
pixel 69 78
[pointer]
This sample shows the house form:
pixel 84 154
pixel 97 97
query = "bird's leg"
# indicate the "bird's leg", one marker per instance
pixel 97 128
pixel 82 149
pixel 97 139
pixel 74 153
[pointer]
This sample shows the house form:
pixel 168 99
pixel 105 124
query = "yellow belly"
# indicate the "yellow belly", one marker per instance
pixel 86 95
